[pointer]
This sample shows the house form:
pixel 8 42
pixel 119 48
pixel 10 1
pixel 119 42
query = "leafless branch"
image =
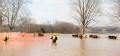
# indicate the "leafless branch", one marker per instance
pixel 86 11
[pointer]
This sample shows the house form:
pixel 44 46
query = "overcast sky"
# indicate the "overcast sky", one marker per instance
pixel 49 11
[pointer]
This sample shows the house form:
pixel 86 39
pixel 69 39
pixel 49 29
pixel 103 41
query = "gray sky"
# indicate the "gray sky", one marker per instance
pixel 49 11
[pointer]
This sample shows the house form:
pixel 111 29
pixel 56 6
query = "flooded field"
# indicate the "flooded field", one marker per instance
pixel 65 46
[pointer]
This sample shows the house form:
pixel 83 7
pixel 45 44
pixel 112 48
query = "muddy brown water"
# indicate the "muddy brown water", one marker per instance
pixel 65 46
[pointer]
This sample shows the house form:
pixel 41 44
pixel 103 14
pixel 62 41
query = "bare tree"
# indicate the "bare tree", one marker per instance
pixel 116 9
pixel 12 11
pixel 1 28
pixel 117 6
pixel 85 13
pixel 114 13
pixel 0 15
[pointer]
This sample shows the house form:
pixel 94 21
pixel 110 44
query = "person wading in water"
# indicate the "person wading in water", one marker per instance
pixel 5 38
pixel 54 38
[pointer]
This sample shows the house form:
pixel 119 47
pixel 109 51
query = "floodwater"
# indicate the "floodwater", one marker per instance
pixel 65 46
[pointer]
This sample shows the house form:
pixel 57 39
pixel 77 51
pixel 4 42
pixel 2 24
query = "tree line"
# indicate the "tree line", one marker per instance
pixel 58 27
